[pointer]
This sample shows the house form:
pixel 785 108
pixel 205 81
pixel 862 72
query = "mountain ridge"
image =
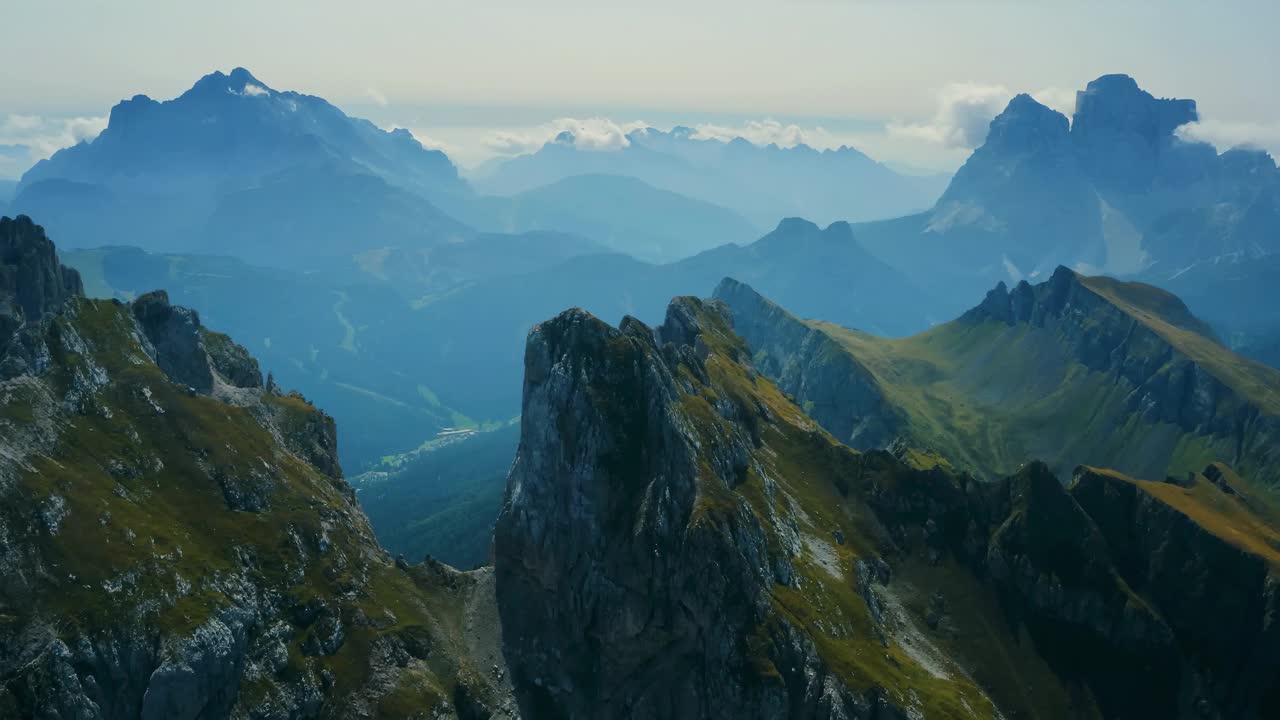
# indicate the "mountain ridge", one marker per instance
pixel 1068 370
pixel 178 540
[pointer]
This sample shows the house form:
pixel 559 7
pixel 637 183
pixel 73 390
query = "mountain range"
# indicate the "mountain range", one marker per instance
pixel 679 537
pixel 761 182
pixel 235 167
pixel 1115 189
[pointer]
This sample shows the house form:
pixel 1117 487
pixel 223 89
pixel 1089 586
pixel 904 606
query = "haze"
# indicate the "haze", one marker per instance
pixel 468 77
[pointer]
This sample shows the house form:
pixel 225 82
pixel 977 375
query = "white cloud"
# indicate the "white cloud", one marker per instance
pixel 1225 135
pixel 431 142
pixel 591 134
pixel 15 123
pixel 964 112
pixel 377 97
pixel 42 137
pixel 1061 99
pixel 509 142
pixel 760 132
pixel 251 90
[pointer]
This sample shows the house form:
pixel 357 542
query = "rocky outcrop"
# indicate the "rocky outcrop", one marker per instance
pixel 632 580
pixel 831 385
pixel 30 275
pixel 174 334
pixel 231 361
pixel 32 281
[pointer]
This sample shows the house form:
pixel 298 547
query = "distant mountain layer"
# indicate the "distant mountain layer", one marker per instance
pixel 178 537
pixel 1075 370
pixel 820 272
pixel 1115 190
pixel 622 213
pixel 325 333
pixel 401 344
pixel 211 161
pixel 763 183
pixel 7 189
pixel 234 167
pixel 679 540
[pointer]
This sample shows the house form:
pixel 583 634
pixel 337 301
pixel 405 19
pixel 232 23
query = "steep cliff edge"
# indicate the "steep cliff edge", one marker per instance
pixel 1074 370
pixel 673 544
pixel 680 541
pixel 177 540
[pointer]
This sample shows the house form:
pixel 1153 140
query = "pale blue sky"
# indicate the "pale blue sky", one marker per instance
pixel 456 71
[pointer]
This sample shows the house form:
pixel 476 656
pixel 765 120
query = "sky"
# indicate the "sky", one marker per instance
pixel 911 82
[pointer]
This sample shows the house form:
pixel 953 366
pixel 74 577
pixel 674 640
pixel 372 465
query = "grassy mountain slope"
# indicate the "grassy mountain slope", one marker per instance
pixel 1076 370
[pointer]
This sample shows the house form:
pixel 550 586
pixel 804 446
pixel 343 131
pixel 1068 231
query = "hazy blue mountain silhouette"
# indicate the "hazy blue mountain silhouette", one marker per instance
pixel 161 170
pixel 761 182
pixel 399 344
pixel 313 329
pixel 472 340
pixel 621 213
pixel 1115 190
pixel 1237 294
pixel 235 167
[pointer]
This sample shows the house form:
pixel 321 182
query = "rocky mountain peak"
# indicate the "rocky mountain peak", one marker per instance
pixel 1116 102
pixel 32 281
pixel 795 226
pixel 238 82
pixel 1026 125
pixel 1121 131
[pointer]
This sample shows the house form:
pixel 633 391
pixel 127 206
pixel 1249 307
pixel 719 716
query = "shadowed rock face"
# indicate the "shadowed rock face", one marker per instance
pixel 32 281
pixel 174 332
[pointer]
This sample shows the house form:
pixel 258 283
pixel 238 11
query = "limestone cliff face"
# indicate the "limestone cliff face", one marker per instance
pixel 177 540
